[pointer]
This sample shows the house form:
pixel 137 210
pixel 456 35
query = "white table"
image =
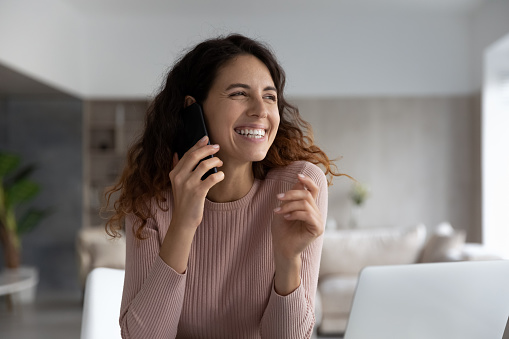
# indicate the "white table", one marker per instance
pixel 13 281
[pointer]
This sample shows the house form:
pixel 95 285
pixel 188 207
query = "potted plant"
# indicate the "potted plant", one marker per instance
pixel 16 190
pixel 358 195
pixel 16 218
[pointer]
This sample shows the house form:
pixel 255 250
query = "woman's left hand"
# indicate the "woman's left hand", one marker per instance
pixel 298 221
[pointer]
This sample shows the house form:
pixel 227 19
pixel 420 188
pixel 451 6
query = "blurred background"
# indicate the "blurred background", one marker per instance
pixel 411 97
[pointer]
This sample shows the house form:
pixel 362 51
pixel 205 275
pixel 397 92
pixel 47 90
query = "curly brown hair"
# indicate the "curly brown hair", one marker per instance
pixel 145 178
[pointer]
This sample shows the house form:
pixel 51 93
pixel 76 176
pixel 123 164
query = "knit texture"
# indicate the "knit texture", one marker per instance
pixel 227 290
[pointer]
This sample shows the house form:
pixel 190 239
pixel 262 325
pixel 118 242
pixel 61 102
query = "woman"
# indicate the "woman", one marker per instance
pixel 235 255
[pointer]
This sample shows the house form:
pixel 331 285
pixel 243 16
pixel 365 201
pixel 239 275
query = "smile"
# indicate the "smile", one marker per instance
pixel 251 133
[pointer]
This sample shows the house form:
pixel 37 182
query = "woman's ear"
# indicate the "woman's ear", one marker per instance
pixel 189 101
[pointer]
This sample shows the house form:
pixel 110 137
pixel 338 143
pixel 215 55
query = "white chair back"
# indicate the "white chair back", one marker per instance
pixel 101 307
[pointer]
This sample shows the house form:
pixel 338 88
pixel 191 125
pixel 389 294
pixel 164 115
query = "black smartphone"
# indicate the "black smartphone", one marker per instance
pixel 193 130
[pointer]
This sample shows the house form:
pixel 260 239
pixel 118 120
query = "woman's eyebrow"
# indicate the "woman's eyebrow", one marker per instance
pixel 238 85
pixel 268 88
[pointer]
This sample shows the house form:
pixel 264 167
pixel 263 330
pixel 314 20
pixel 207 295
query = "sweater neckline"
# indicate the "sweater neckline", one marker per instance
pixel 236 204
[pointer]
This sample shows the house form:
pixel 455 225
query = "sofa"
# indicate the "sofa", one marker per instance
pixel 95 248
pixel 346 252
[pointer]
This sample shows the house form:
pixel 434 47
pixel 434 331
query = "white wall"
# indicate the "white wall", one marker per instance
pixel 43 40
pixel 495 159
pixel 489 24
pixel 490 55
pixel 419 156
pixel 327 48
pixel 325 52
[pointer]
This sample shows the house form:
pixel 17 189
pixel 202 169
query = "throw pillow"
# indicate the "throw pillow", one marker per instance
pixel 349 251
pixel 444 244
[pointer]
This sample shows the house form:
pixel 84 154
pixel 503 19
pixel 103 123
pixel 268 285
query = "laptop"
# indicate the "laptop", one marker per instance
pixel 460 300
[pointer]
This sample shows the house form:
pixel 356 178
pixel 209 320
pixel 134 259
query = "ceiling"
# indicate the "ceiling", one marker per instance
pixel 15 83
pixel 158 7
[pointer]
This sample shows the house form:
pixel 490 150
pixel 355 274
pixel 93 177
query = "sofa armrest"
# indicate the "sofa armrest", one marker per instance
pixel 318 308
pixel 469 252
pixel 96 249
pixel 83 256
pixel 474 251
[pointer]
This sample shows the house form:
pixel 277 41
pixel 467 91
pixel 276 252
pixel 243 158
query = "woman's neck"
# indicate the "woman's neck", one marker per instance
pixel 237 182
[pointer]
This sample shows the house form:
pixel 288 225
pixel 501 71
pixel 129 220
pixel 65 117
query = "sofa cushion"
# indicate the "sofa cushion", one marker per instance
pixel 445 244
pixel 337 294
pixel 349 251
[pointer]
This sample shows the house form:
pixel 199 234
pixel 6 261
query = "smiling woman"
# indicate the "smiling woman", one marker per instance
pixel 242 116
pixel 236 254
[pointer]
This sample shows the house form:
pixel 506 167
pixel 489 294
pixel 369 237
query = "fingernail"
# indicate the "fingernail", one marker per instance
pixel 301 175
pixel 215 146
pixel 277 209
pixel 203 139
pixel 287 215
pixel 281 195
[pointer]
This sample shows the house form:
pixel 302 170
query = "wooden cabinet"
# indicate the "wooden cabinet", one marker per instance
pixel 109 128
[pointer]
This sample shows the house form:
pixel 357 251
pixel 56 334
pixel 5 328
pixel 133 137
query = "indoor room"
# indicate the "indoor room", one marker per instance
pixel 406 98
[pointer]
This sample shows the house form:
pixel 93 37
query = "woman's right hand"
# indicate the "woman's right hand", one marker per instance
pixel 189 191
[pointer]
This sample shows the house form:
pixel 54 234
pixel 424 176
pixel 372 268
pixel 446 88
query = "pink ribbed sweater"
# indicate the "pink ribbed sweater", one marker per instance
pixel 227 290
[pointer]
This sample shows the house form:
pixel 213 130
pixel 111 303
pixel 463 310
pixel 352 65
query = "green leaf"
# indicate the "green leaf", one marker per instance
pixel 22 174
pixel 21 192
pixel 10 220
pixel 15 189
pixel 8 162
pixel 31 218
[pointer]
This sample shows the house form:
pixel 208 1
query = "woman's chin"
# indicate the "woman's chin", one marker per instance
pixel 259 157
pixel 253 159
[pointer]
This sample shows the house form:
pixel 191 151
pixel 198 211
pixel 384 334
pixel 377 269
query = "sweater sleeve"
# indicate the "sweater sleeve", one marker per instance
pixel 153 292
pixel 292 316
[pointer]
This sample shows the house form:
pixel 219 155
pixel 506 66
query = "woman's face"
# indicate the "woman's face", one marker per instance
pixel 241 110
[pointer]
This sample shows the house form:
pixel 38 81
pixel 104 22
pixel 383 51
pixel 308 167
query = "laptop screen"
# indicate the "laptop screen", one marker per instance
pixel 465 300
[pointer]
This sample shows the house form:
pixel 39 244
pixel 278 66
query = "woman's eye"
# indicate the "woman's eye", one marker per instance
pixel 236 94
pixel 271 97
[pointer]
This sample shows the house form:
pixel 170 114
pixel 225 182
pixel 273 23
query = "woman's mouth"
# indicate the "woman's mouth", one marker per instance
pixel 256 133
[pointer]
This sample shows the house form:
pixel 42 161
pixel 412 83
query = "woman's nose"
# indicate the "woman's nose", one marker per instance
pixel 258 108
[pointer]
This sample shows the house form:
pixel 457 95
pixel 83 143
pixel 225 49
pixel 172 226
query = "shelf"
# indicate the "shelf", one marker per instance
pixel 110 127
pixel 102 138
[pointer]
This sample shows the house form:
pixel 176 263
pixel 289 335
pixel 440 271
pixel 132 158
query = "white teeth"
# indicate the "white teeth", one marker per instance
pixel 251 133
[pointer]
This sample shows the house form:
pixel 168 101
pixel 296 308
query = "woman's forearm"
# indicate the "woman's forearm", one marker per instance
pixel 177 246
pixel 287 276
pixel 289 313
